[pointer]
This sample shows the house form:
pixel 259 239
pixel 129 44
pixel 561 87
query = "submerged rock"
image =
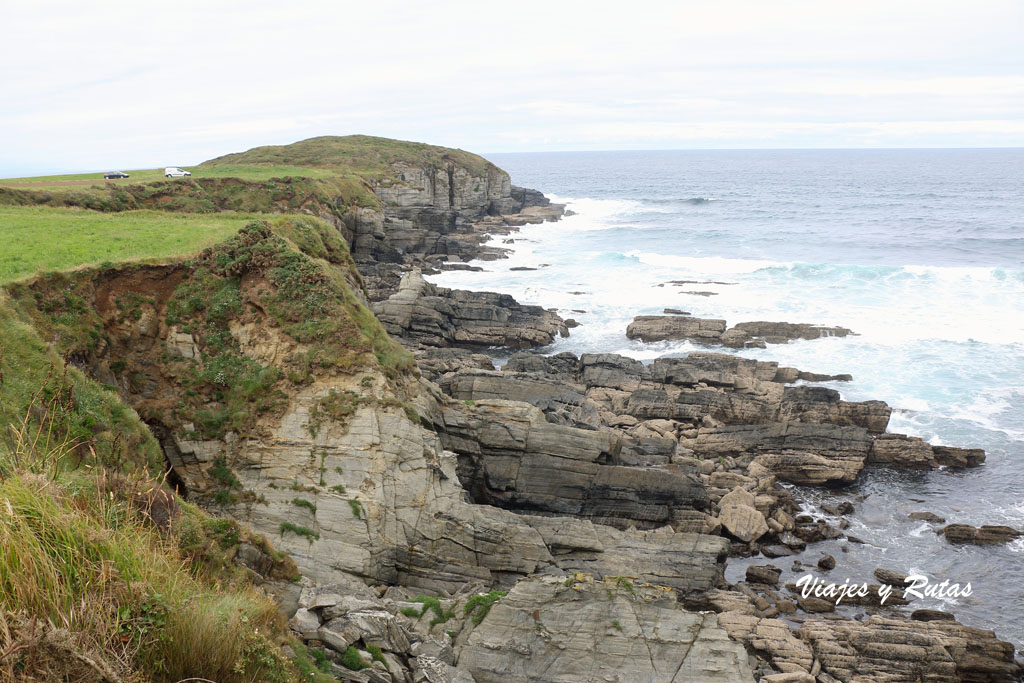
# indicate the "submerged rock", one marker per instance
pixel 675 327
pixel 983 535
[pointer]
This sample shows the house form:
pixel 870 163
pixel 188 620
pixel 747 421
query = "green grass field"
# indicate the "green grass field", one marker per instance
pixel 245 172
pixel 44 239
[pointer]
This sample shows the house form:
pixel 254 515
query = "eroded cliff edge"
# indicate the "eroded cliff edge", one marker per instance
pixel 604 495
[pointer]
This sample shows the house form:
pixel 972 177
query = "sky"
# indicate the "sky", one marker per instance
pixel 118 85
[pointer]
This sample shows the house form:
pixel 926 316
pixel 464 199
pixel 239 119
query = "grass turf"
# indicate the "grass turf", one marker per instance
pixel 44 239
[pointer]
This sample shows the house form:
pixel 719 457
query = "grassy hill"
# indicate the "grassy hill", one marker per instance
pixel 364 155
pixel 338 171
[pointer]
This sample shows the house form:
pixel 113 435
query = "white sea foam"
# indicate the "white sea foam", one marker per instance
pixel 917 532
pixel 593 214
pixel 709 265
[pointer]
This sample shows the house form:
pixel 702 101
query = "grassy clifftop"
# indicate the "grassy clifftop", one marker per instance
pixel 48 239
pixel 364 155
pixel 105 573
pixel 327 173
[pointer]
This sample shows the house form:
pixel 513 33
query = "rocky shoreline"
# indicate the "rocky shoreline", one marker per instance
pixel 562 518
pixel 684 457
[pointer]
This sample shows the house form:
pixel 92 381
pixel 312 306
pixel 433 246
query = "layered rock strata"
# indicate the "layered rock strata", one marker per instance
pixel 653 328
pixel 422 314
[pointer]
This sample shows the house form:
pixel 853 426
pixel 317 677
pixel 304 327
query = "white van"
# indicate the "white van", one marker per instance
pixel 175 172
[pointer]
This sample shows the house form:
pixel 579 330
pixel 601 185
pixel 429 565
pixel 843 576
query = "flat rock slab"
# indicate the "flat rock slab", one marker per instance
pixel 652 328
pixel 578 631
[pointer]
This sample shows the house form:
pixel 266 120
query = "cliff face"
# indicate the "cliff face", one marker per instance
pixel 280 401
pixel 602 494
pixel 430 200
pixel 434 217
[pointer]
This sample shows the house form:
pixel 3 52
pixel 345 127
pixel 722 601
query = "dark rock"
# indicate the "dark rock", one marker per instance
pixel 899 450
pixel 423 313
pixel 827 563
pixel 651 328
pixel 947 456
pixel 890 577
pixel 931 615
pixel 984 535
pixel 813 604
pixel 515 459
pixel 927 517
pixel 778 333
pixel 612 371
pixel 765 574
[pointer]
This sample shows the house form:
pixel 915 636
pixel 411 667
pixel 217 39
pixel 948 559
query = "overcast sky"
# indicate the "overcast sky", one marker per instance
pixel 104 85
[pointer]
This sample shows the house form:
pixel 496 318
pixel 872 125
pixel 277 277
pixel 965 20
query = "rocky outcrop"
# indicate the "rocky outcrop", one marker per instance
pixel 760 333
pixel 442 210
pixel 383 501
pixel 894 649
pixel 880 649
pixel 549 630
pixel 438 215
pixel 908 452
pixel 652 328
pixel 510 456
pixel 598 390
pixel 814 454
pixel 561 402
pixel 983 535
pixel 420 313
pixel 711 405
pixel 435 362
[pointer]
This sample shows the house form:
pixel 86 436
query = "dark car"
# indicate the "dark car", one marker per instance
pixel 114 175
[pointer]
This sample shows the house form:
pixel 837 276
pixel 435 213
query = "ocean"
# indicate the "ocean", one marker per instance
pixel 920 252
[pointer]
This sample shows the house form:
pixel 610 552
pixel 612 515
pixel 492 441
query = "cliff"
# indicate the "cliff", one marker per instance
pixel 563 519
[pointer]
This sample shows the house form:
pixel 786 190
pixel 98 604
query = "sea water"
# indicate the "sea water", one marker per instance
pixel 920 252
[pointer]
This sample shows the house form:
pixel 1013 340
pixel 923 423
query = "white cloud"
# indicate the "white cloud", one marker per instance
pixel 132 84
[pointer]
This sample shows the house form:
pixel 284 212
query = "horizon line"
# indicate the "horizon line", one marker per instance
pixel 37 174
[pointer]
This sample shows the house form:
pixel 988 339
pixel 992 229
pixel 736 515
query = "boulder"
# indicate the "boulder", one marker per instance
pixel 743 522
pixel 765 574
